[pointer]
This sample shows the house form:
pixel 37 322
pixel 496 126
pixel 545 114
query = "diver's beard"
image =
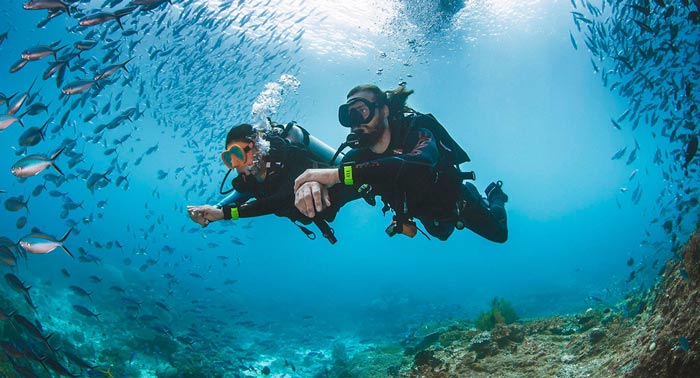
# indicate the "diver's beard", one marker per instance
pixel 369 138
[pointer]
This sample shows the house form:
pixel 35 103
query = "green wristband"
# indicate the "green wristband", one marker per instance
pixel 347 175
pixel 234 213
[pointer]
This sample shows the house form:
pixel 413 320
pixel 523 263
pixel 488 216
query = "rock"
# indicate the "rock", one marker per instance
pixel 596 335
pixel 426 359
pixel 483 345
pixel 568 358
pixel 168 372
pixel 504 335
pixel 569 329
pixel 517 333
pixel 587 320
pixel 609 318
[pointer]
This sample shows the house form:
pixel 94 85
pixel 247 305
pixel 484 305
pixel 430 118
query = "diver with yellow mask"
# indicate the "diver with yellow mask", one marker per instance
pixel 267 162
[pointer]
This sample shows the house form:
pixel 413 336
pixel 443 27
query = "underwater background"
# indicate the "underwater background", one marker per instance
pixel 586 111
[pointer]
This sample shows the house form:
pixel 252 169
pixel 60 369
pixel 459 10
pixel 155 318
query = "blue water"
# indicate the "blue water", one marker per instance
pixel 502 76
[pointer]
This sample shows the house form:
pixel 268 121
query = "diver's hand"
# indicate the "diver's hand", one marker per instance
pixel 311 198
pixel 326 176
pixel 205 214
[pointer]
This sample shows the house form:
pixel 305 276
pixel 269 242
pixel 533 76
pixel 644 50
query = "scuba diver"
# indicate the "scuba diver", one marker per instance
pixel 410 160
pixel 267 162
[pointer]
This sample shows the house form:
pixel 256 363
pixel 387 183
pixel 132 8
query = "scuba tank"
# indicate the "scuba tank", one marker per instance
pixel 319 151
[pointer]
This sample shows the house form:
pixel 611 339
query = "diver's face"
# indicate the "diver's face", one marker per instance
pixel 251 166
pixel 374 127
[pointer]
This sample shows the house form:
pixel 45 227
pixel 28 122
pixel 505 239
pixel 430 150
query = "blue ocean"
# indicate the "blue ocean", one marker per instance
pixel 587 112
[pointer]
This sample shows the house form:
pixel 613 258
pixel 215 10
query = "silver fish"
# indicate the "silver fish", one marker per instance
pixel 14 108
pixel 619 153
pixel 7 121
pixel 632 157
pixel 33 164
pixel 46 4
pixel 85 44
pixel 102 17
pixel 39 52
pixel 79 86
pixel 54 67
pixel 109 70
pixel 39 243
pixel 18 65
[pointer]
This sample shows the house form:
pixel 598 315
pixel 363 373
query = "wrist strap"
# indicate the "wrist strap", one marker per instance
pixel 347 175
pixel 230 213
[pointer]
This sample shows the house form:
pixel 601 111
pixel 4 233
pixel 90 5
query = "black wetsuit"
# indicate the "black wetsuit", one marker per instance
pixel 416 175
pixel 275 195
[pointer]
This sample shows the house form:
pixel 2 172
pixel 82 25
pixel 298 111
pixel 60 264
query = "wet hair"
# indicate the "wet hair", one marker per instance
pixel 243 131
pixel 379 95
pixel 395 99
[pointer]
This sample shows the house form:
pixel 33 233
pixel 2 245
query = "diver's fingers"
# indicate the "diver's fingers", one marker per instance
pixel 298 202
pixel 324 201
pixel 301 180
pixel 197 219
pixel 194 215
pixel 200 220
pixel 196 212
pixel 316 191
pixel 326 197
pixel 308 201
pixel 304 201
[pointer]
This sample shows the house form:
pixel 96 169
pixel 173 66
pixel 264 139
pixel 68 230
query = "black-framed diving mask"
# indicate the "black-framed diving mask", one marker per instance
pixel 351 115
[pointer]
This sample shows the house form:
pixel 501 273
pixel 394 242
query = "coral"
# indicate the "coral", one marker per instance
pixel 341 362
pixel 426 360
pixel 501 312
pixel 650 333
pixel 671 345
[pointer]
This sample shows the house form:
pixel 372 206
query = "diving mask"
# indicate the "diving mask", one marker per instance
pixel 237 154
pixel 356 112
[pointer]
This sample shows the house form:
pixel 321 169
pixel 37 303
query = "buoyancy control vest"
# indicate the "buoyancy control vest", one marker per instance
pixel 451 156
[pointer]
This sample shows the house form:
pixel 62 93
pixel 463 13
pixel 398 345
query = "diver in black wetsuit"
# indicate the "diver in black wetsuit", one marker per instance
pixel 267 165
pixel 411 162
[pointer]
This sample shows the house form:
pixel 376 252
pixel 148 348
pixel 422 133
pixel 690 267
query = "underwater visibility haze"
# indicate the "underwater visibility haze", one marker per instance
pixel 115 113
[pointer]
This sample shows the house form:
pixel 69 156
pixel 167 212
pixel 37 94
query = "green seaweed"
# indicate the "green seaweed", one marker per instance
pixel 501 312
